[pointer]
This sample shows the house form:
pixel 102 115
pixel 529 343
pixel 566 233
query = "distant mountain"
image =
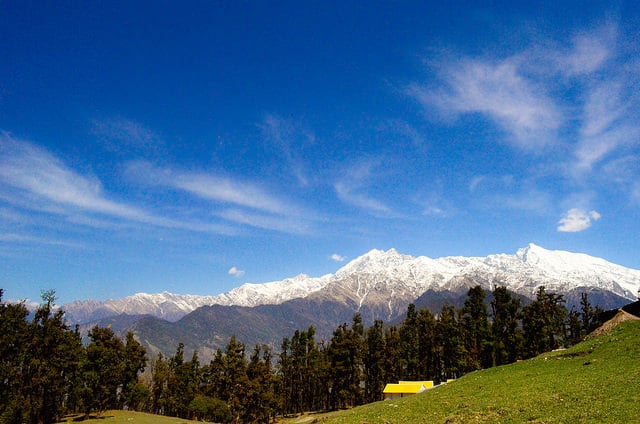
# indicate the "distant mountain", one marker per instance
pixel 378 285
pixel 385 281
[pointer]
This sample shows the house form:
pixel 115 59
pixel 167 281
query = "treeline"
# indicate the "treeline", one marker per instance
pixel 46 372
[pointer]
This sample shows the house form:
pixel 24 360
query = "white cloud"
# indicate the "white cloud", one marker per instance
pixel 338 258
pixel 352 188
pixel 236 272
pixel 36 173
pixel 209 186
pixel 35 179
pixel 290 139
pixel 120 134
pixel 607 124
pixel 23 238
pixel 588 52
pixel 499 91
pixel 279 223
pixel 576 220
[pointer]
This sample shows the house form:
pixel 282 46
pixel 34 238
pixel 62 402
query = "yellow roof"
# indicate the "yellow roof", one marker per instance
pixel 427 384
pixel 404 388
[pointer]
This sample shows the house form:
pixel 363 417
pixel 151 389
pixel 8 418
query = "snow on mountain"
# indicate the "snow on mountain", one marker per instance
pixel 390 280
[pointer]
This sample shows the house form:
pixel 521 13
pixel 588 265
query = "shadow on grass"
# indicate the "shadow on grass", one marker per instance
pixel 75 418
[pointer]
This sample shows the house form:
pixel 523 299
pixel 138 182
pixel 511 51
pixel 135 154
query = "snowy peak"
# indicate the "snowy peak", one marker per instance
pixel 387 280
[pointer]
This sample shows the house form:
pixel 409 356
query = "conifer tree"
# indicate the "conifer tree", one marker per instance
pixel 392 355
pixel 449 338
pixel 103 370
pixel 544 323
pixel 477 333
pixel 53 351
pixel 409 344
pixel 427 350
pixel 260 402
pixel 507 335
pixel 160 382
pixel 345 356
pixel 374 362
pixel 14 338
pixel 135 361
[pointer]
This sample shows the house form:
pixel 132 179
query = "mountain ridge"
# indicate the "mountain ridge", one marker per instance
pixel 388 280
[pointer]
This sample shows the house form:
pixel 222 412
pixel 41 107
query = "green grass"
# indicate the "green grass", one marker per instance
pixel 131 417
pixel 596 381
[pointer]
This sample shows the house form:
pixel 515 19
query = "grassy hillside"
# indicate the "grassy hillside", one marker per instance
pixel 130 417
pixel 596 381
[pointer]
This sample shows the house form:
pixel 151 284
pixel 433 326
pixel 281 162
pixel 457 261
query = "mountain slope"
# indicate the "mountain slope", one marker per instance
pixel 382 283
pixel 592 382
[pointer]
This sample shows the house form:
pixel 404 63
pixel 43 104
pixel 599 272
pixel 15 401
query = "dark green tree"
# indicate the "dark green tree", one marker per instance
pixel 51 360
pixel 260 402
pixel 392 355
pixel 134 363
pixel 159 385
pixel 477 331
pixel 103 370
pixel 428 365
pixel 449 338
pixel 204 408
pixel 543 323
pixel 375 376
pixel 14 339
pixel 506 312
pixel 345 354
pixel 409 344
pixel 234 380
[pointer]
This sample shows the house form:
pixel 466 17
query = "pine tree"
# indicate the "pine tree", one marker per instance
pixel 544 323
pixel 477 333
pixel 449 339
pixel 374 362
pixel 234 379
pixel 345 353
pixel 134 362
pixel 51 358
pixel 392 355
pixel 103 370
pixel 507 335
pixel 160 382
pixel 427 349
pixel 409 344
pixel 260 402
pixel 14 338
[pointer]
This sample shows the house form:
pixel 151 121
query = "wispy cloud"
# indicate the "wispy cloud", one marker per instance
pixel 352 188
pixel 280 223
pixel 588 51
pixel 35 179
pixel 209 186
pixel 498 90
pixel 121 134
pixel 578 99
pixel 576 220
pixel 238 273
pixel 290 139
pixel 29 239
pixel 38 174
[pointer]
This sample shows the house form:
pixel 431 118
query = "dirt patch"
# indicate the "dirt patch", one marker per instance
pixel 621 316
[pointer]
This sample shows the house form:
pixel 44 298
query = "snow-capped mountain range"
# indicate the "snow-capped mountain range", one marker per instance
pixel 388 280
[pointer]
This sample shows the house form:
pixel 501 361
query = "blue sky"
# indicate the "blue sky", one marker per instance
pixel 195 146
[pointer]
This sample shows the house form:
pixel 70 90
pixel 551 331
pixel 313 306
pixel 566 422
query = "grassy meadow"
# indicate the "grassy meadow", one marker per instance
pixel 131 417
pixel 596 381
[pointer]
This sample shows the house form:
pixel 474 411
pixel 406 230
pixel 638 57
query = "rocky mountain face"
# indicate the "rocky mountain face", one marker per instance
pixel 378 284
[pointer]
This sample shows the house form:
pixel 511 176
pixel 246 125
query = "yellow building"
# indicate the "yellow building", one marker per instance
pixel 405 388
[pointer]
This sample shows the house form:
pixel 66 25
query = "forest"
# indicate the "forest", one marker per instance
pixel 46 372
